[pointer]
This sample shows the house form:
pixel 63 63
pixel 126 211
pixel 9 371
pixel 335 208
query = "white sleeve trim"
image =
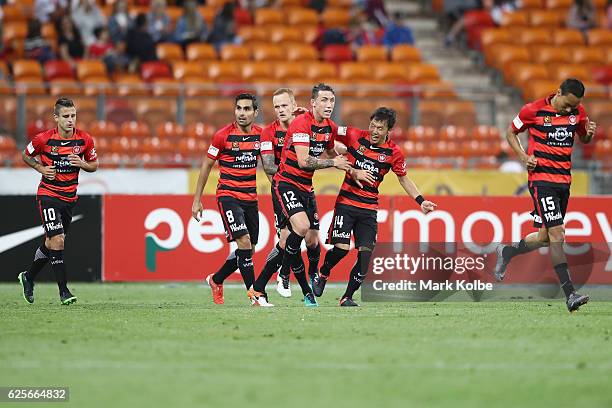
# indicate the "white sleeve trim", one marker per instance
pixel 213 151
pixel 301 138
pixel 518 123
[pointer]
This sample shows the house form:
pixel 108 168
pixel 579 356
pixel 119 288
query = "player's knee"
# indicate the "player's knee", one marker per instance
pixel 312 240
pixel 56 243
pixel 301 227
pixel 244 242
pixel 556 234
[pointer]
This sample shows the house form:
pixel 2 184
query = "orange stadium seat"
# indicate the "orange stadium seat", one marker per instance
pixel 337 53
pixel 599 36
pixel 232 52
pixel 224 72
pixel 192 147
pixel 392 72
pixel 484 132
pixel 431 113
pixel 283 34
pixel 303 52
pixel 201 52
pixel 550 55
pixel 169 130
pixel 156 110
pixel 216 3
pixel 208 14
pixel 155 145
pixel 124 145
pixel 355 71
pixel 567 37
pixel 318 70
pixel 607 50
pixel 495 36
pixel 165 87
pixel 267 16
pixel 219 112
pixel 90 69
pixel 57 69
pixel 311 33
pixel 169 52
pixel 405 53
pixel 545 18
pixel 303 16
pixel 559 4
pixel 596 90
pixel 453 133
pixel 103 128
pixel 256 71
pixel 335 17
pixel 356 112
pixel 525 72
pixel 601 113
pixel 199 87
pixel 534 37
pixel 422 133
pixel 510 54
pixel 150 71
pixel 131 85
pixel 460 113
pixel 603 75
pixel 14 13
pixel 435 89
pixel 531 4
pixel 289 3
pixel 30 86
pixel 268 52
pixel 26 69
pixel 182 70
pixel 7 144
pixel 64 86
pixel 372 53
pixel 562 72
pixel 340 3
pixel 95 86
pixel 540 89
pixel 519 18
pixel 174 12
pixel 250 34
pixel 289 70
pixel 134 129
pixel 588 56
pixel 48 32
pixel 199 130
pixel 16 30
pixel 422 72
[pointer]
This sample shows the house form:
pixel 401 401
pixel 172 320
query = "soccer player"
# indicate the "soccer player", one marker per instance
pixel 308 137
pixel 552 122
pixel 63 152
pixel 272 142
pixel 372 155
pixel 236 147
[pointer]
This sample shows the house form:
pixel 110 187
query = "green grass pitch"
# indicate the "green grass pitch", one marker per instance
pixel 154 345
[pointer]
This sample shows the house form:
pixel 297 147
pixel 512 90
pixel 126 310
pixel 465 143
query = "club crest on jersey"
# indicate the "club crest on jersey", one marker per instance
pixel 256 145
pixel 327 136
pixel 76 149
pixel 313 137
pixel 361 149
pixel 235 146
pixel 547 121
pixel 572 119
pixel 382 157
pixel 54 150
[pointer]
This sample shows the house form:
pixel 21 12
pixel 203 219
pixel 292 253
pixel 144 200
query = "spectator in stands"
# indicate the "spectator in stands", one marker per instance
pixel 159 22
pixel 35 45
pixel 119 22
pixel 71 46
pixel 104 49
pixel 46 11
pixel 495 7
pixel 582 16
pixel 397 33
pixel 140 46
pixel 191 26
pixel 609 14
pixel 364 32
pixel 375 10
pixel 318 5
pixel 224 27
pixel 87 16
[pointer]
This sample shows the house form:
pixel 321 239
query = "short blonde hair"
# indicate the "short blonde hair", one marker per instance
pixel 287 91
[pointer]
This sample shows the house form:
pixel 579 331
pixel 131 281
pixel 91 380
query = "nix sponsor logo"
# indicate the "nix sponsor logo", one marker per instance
pixel 292 205
pixel 236 228
pixel 345 235
pixel 560 134
pixel 246 158
pixel 54 227
pixel 552 216
pixel 367 165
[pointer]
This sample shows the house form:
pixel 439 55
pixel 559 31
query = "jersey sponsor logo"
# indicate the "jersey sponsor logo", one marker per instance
pixel 292 205
pixel 552 216
pixel 317 150
pixel 560 134
pixel 547 121
pixel 246 157
pixel 572 119
pixel 213 151
pixel 338 234
pixel 236 228
pixel 301 138
pixel 367 165
pixel 518 123
pixel 54 226
pixel 266 146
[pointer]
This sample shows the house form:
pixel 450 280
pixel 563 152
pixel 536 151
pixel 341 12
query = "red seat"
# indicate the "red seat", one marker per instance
pixel 58 69
pixel 150 71
pixel 337 53
pixel 603 75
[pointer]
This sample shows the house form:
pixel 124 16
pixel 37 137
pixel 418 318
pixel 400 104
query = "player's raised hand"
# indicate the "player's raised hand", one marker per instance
pixel 591 129
pixel 75 160
pixel 342 163
pixel 363 175
pixel 428 206
pixel 196 210
pixel 530 162
pixel 48 172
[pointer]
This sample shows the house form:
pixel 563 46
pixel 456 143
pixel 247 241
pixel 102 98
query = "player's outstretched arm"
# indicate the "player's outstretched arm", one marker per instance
pixel 307 162
pixel 197 207
pixel 48 172
pixel 412 190
pixel 530 162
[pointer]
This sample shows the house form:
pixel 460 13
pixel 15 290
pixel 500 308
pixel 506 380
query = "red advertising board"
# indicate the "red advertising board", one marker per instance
pixel 155 238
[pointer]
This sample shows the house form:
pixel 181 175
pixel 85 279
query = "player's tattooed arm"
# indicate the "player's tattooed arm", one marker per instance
pixel 268 164
pixel 47 171
pixel 312 163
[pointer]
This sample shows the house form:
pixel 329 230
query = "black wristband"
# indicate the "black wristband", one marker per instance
pixel 419 199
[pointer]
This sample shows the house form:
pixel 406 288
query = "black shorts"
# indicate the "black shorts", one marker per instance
pixel 55 214
pixel 361 222
pixel 289 200
pixel 239 218
pixel 550 203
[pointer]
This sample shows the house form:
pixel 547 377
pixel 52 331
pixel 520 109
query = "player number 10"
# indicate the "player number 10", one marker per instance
pixel 49 214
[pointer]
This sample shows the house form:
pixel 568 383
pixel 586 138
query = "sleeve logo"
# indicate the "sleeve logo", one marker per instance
pixel 301 138
pixel 30 148
pixel 518 123
pixel 265 146
pixel 213 151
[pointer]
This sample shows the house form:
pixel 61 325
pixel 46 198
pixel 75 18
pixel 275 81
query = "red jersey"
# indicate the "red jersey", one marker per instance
pixel 53 151
pixel 237 154
pixel 273 140
pixel 551 139
pixel 365 156
pixel 304 131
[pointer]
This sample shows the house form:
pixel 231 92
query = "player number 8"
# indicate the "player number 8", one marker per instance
pixel 230 216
